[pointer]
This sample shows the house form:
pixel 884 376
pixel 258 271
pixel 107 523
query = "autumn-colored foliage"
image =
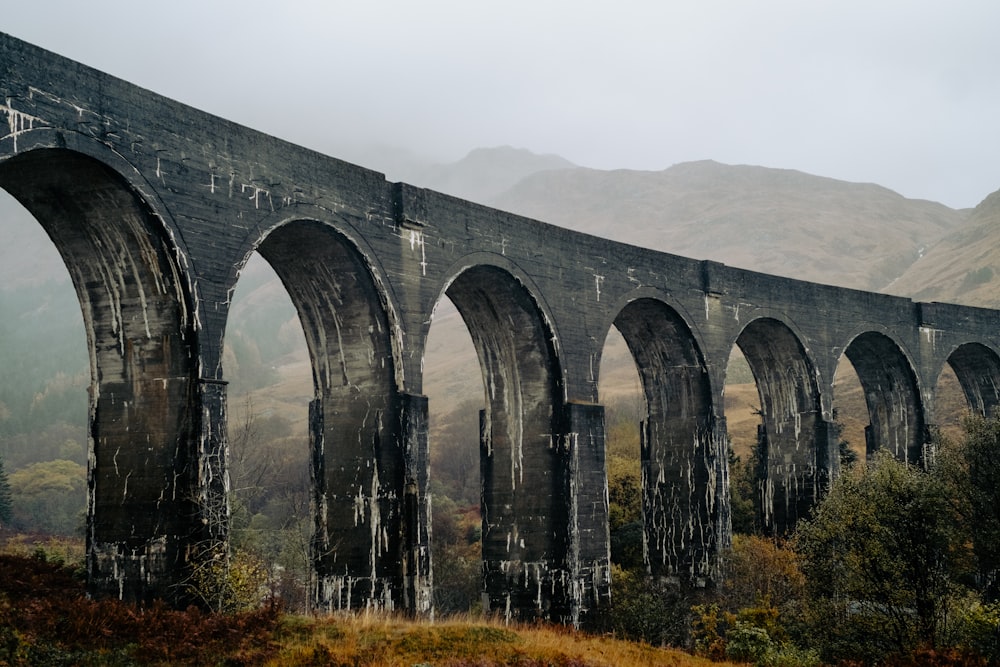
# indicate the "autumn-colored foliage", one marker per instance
pixel 45 618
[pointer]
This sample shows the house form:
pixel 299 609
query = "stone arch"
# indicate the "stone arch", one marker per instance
pixel 793 440
pixel 523 463
pixel 682 503
pixel 892 395
pixel 154 493
pixel 359 464
pixel 978 370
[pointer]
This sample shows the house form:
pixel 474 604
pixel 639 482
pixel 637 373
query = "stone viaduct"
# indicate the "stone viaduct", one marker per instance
pixel 155 207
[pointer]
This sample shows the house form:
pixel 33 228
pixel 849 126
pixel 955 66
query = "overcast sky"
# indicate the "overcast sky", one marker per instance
pixel 903 93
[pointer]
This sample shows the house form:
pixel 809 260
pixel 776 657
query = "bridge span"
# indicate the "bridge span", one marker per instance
pixel 155 207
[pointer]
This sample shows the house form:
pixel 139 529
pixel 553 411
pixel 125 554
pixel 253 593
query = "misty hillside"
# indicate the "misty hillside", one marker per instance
pixel 772 220
pixel 964 266
pixel 483 173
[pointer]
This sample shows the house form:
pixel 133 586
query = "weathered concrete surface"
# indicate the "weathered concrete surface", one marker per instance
pixel 156 207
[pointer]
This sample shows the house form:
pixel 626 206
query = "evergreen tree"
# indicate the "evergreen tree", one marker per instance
pixel 5 497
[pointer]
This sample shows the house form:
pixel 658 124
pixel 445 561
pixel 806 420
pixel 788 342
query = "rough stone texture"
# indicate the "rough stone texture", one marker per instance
pixel 156 207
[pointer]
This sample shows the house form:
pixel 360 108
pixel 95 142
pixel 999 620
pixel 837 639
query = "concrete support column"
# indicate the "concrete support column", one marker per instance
pixel 370 544
pixel 685 501
pixel 795 477
pixel 827 457
pixel 416 511
pixel 157 487
pixel 590 540
pixel 527 573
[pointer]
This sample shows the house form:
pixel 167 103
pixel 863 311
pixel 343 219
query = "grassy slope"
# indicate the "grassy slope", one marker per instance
pixel 777 221
pixel 46 619
pixel 964 266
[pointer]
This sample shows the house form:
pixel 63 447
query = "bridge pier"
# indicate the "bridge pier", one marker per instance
pixel 590 540
pixel 685 505
pixel 370 547
pixel 156 490
pixel 557 566
pixel 796 475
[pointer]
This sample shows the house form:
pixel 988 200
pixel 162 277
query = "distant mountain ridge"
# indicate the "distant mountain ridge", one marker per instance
pixel 776 221
pixel 484 172
pixel 963 266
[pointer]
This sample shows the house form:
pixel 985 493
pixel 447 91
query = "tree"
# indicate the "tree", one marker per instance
pixel 6 509
pixel 744 479
pixel 51 497
pixel 882 557
pixel 971 468
pixel 761 570
pixel 622 417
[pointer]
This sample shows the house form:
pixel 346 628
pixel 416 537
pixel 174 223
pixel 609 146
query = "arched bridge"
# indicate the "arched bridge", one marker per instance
pixel 155 207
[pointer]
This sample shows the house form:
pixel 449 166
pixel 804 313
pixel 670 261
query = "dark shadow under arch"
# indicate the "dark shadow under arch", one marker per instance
pixel 895 412
pixel 523 465
pixel 793 443
pixel 148 487
pixel 359 469
pixel 679 449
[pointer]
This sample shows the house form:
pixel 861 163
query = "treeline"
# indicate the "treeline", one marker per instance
pixel 898 564
pixel 43 409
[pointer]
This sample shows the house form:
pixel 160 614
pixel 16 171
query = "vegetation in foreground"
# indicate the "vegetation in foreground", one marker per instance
pixel 45 619
pixel 898 565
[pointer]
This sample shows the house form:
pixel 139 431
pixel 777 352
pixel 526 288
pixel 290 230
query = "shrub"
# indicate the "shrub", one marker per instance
pixel 643 609
pixel 231 585
pixel 748 643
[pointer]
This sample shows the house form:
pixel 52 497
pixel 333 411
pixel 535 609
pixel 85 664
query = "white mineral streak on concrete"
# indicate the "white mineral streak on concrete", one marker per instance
pixel 255 195
pixel 33 91
pixel 18 122
pixel 931 335
pixel 359 507
pixel 417 241
pixel 598 281
pixel 375 548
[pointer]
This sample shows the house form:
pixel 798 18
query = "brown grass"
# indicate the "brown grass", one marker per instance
pixel 378 641
pixel 45 618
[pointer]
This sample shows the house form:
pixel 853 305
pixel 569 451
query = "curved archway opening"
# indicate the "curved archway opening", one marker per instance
pixel 144 504
pixel 793 439
pixel 977 369
pixel 356 435
pixel 895 414
pixel 268 369
pixel 43 393
pixel 678 452
pixel 743 424
pixel 968 384
pixel 951 405
pixel 453 384
pixel 850 414
pixel 525 517
pixel 620 389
